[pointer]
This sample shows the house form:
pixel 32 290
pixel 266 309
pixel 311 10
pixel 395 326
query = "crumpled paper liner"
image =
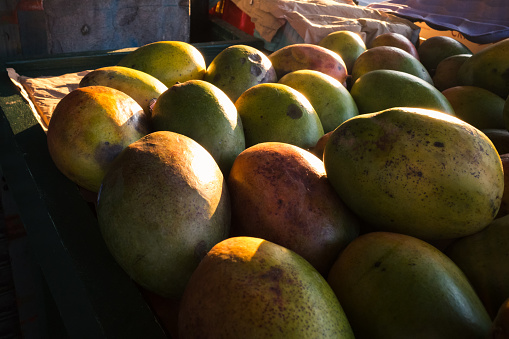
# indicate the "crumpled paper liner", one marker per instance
pixel 43 93
pixel 314 19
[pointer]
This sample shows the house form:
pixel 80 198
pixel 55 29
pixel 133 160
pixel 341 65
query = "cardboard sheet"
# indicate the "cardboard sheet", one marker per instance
pixel 480 21
pixel 43 93
pixel 314 19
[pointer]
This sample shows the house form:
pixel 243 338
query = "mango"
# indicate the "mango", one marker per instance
pixel 168 61
pixel 248 287
pixel 499 137
pixel 300 209
pixel 389 57
pixel 203 112
pixel 393 285
pixel 162 206
pixel 277 112
pixel 348 44
pixel 141 86
pixel 477 106
pixel 385 88
pixel 436 48
pixel 488 68
pixel 309 56
pixel 500 326
pixel 331 100
pixel 89 127
pixel 446 73
pixel 504 204
pixel 483 257
pixel 414 171
pixel 239 67
pixel 395 40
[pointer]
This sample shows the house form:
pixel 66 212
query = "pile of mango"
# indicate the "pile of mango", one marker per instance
pixel 328 190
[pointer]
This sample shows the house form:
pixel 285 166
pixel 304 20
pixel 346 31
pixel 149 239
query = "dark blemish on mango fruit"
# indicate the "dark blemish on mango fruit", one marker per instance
pixel 377 264
pixel 106 152
pixel 294 111
pixel 217 77
pixel 438 144
pixel 256 70
pixel 242 61
pixel 275 273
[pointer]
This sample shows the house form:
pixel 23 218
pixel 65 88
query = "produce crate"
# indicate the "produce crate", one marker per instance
pixel 92 297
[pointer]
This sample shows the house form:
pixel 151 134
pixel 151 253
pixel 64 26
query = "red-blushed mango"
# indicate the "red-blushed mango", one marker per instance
pixel 89 127
pixel 309 56
pixel 291 203
pixel 477 106
pixel 396 40
pixel 251 288
pixel 446 73
pixel 389 57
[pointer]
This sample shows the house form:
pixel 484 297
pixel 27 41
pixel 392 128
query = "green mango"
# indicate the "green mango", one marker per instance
pixel 488 68
pixel 162 206
pixel 203 112
pixel 396 286
pixel 484 258
pixel 419 172
pixel 142 87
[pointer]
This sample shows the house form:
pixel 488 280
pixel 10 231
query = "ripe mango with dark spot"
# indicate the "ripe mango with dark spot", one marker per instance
pixel 248 287
pixel 239 67
pixel 309 56
pixel 415 171
pixel 277 112
pixel 89 127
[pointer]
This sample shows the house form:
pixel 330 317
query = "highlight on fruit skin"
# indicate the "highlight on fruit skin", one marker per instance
pixel 89 127
pixel 416 171
pixel 168 61
pixel 247 287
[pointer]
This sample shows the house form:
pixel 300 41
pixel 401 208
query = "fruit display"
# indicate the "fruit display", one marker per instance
pixel 327 190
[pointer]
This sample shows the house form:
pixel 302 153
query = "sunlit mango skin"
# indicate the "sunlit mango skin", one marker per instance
pixel 141 86
pixel 308 56
pixel 89 127
pixel 238 68
pixel 162 205
pixel 248 287
pixel 418 172
pixel 168 61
